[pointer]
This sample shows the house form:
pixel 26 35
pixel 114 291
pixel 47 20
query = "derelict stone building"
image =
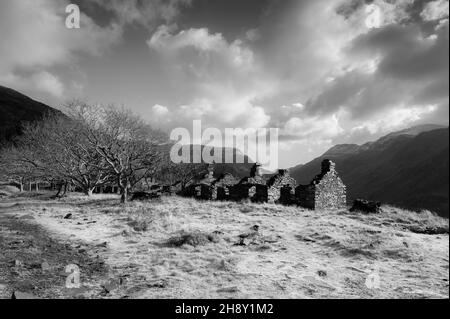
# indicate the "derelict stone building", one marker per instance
pixel 326 191
pixel 202 188
pixel 221 186
pixel 253 187
pixel 281 188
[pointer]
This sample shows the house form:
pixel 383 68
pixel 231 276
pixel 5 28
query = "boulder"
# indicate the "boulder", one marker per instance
pixel 366 206
pixel 142 196
pixel 23 295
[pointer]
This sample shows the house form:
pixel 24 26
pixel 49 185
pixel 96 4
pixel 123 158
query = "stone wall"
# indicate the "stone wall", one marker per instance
pixel 221 186
pixel 305 196
pixel 278 182
pixel 326 191
pixel 330 192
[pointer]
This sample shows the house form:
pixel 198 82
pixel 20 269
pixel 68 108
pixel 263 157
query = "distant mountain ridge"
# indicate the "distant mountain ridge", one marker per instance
pixel 17 109
pixel 237 169
pixel 409 168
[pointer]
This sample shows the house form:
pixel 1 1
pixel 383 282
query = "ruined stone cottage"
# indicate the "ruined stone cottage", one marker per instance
pixel 326 191
pixel 202 188
pixel 281 188
pixel 221 186
pixel 252 187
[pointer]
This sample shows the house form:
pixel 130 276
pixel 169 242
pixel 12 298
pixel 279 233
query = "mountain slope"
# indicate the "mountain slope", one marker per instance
pixel 409 170
pixel 16 109
pixel 236 169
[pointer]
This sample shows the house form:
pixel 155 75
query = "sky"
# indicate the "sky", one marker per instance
pixel 324 72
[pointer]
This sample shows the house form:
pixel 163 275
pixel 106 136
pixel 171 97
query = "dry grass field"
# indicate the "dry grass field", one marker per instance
pixel 183 248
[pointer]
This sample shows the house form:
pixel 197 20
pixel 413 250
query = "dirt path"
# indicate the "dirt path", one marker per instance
pixel 33 264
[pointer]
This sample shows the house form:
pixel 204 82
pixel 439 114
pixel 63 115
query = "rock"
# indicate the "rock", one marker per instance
pixel 102 245
pixel 160 283
pixel 270 239
pixel 111 286
pixel 4 291
pixel 125 233
pixel 242 242
pixel 131 242
pixel 17 263
pixel 142 196
pixel 45 266
pixel 139 226
pixel 366 206
pixel 27 217
pixel 68 216
pixel 23 295
pixel 123 279
pixel 250 236
pixel 228 290
pixel 192 239
pixel 322 273
pixel 75 292
pixel 429 230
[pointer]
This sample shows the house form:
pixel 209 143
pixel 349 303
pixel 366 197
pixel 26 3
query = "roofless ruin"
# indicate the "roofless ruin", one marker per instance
pixel 326 190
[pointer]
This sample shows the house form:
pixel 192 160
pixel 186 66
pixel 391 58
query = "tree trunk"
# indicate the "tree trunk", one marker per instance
pixel 66 185
pixel 60 187
pixel 21 187
pixel 89 192
pixel 124 195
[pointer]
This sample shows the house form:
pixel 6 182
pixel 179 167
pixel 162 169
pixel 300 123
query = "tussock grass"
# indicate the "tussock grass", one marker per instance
pixel 190 246
pixel 193 239
pixel 8 190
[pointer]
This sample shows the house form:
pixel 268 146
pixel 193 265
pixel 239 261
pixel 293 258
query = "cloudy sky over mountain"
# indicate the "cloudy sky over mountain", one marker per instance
pixel 320 70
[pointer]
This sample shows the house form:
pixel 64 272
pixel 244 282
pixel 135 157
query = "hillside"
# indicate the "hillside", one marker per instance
pixel 408 168
pixel 194 249
pixel 16 109
pixel 238 169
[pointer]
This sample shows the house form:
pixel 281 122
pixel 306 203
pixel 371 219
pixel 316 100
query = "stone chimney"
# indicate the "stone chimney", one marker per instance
pixel 327 166
pixel 211 172
pixel 256 170
pixel 283 172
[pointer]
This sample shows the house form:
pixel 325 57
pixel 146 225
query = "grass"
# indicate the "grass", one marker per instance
pixel 183 248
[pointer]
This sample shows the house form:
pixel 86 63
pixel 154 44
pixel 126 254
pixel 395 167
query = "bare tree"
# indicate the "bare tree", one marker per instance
pixel 172 173
pixel 16 166
pixel 130 148
pixel 182 173
pixel 59 149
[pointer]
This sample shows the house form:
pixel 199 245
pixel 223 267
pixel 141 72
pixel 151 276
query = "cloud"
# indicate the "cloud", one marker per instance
pixel 435 10
pixel 160 111
pixel 410 69
pixel 216 81
pixel 47 82
pixel 34 38
pixel 319 128
pixel 41 81
pixel 145 13
pixel 319 82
